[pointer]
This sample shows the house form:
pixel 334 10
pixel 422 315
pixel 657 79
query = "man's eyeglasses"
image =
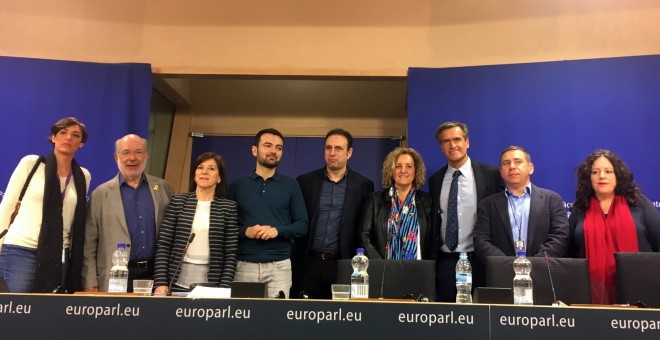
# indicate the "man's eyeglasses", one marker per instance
pixel 136 153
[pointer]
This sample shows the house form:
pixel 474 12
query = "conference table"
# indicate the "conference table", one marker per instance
pixel 48 316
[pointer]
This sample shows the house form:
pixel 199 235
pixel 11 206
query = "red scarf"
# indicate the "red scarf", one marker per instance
pixel 603 236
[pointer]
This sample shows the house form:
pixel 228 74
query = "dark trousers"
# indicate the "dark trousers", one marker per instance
pixel 445 275
pixel 318 276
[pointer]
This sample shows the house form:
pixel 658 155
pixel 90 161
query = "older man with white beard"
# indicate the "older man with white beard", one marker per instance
pixel 126 209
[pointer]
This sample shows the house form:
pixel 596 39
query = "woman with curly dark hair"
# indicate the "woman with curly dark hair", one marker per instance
pixel 396 221
pixel 609 215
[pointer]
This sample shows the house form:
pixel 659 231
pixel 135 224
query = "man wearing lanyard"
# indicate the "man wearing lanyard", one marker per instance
pixel 126 209
pixel 524 213
pixel 456 189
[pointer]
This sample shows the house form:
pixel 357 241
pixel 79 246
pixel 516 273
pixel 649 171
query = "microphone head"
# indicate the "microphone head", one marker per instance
pixel 559 303
pixel 191 238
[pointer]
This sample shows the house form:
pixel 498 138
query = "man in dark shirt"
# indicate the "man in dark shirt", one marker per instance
pixel 126 209
pixel 334 196
pixel 271 213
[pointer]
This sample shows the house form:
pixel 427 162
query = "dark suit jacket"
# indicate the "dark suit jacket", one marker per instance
pixel 488 181
pixel 358 189
pixel 547 225
pixel 373 227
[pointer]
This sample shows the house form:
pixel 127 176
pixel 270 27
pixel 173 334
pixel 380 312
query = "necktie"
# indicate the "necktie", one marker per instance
pixel 451 234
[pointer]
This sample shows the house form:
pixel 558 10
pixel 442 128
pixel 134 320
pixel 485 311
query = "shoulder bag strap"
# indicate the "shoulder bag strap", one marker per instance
pixel 25 186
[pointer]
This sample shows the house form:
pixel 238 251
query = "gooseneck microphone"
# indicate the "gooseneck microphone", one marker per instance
pixel 178 267
pixel 552 284
pixel 2 234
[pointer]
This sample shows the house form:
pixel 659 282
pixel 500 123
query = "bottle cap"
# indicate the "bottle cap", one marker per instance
pixel 121 245
pixel 360 250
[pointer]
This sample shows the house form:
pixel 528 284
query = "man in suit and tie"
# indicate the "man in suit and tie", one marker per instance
pixel 126 209
pixel 456 189
pixel 334 196
pixel 524 214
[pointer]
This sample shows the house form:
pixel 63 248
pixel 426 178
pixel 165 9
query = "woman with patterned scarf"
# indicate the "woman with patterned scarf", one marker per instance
pixel 396 221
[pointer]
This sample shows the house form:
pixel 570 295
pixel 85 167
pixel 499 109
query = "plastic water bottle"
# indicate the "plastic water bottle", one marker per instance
pixel 523 288
pixel 463 279
pixel 360 278
pixel 118 281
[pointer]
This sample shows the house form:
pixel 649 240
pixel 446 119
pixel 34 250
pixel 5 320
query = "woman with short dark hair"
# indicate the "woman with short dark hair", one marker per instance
pixel 43 248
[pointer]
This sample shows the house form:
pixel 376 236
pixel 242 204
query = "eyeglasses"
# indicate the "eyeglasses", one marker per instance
pixel 136 153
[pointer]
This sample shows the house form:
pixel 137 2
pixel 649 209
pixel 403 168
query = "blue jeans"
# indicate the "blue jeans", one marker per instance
pixel 18 265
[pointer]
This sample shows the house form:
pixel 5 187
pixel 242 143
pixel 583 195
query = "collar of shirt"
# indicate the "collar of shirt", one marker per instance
pixel 466 170
pixel 122 180
pixel 276 176
pixel 528 192
pixel 342 179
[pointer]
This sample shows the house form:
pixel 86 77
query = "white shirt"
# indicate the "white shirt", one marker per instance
pixel 467 206
pixel 198 250
pixel 25 230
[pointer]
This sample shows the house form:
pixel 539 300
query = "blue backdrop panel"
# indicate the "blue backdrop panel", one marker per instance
pixel 301 155
pixel 111 99
pixel 558 111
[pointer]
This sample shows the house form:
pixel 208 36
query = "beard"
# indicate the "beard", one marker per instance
pixel 131 173
pixel 267 163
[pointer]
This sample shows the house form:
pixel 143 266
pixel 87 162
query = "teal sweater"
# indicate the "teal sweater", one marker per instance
pixel 277 202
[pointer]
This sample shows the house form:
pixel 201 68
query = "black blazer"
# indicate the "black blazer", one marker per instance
pixel 373 227
pixel 358 189
pixel 547 225
pixel 487 181
pixel 647 224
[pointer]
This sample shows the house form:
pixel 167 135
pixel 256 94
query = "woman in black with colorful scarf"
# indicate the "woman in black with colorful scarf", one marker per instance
pixel 396 222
